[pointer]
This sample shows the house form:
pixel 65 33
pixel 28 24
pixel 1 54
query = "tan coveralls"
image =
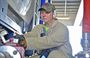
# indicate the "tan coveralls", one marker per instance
pixel 57 35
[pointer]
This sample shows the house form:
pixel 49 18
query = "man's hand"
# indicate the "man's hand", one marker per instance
pixel 22 41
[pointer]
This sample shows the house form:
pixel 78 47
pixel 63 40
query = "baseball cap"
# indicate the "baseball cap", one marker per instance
pixel 47 7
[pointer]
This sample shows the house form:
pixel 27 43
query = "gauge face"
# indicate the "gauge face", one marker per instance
pixel 11 50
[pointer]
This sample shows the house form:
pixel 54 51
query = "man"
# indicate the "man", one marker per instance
pixel 52 37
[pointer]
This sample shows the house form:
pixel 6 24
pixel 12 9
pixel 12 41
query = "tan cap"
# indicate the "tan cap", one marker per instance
pixel 47 7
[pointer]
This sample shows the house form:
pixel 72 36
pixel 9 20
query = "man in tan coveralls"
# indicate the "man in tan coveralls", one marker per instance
pixel 51 35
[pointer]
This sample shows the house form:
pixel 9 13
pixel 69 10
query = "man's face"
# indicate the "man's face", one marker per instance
pixel 46 16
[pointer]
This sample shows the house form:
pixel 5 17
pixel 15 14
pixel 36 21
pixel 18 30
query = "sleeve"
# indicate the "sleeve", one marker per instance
pixel 56 37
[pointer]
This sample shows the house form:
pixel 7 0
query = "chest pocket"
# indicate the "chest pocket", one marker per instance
pixel 44 31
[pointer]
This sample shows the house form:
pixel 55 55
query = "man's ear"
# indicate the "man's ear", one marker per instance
pixel 54 14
